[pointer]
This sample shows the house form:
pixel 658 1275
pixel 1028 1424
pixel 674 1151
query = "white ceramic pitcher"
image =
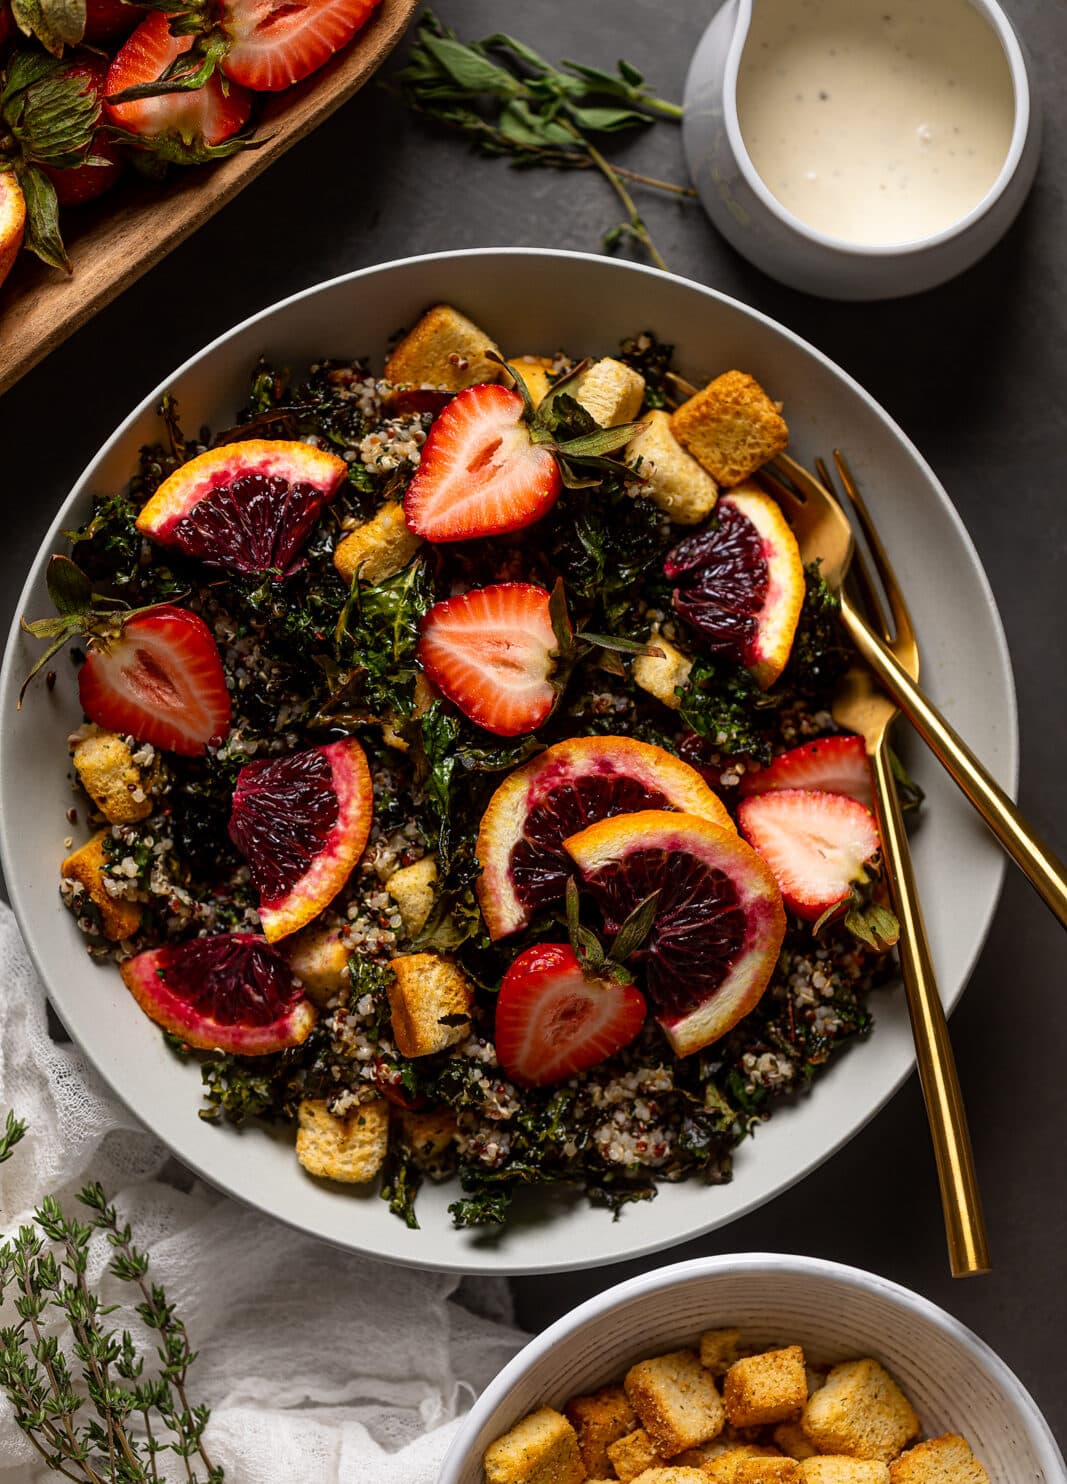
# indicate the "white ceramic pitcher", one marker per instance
pixel 774 239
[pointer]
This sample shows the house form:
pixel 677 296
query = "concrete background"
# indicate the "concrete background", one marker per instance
pixel 973 371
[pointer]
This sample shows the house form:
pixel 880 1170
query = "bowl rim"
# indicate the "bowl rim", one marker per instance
pixel 772 1265
pixel 9 685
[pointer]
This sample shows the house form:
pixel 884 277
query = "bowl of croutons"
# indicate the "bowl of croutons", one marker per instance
pixel 756 1369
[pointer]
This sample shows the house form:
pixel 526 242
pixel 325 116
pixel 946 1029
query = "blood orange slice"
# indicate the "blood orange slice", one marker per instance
pixel 558 793
pixel 719 918
pixel 301 822
pixel 740 583
pixel 232 992
pixel 248 507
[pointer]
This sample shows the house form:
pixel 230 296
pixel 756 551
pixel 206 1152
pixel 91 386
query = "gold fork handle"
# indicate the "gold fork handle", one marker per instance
pixel 961 1204
pixel 1046 874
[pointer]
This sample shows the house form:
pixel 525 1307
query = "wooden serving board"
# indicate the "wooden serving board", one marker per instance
pixel 117 240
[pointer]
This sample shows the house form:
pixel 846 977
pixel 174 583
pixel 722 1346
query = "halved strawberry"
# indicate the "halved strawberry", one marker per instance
pixel 491 652
pixel 274 43
pixel 481 473
pixel 160 679
pixel 817 845
pixel 554 1020
pixel 833 765
pixel 187 127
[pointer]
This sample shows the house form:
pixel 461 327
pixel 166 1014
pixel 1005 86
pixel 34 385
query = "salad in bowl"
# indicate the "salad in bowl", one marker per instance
pixel 460 770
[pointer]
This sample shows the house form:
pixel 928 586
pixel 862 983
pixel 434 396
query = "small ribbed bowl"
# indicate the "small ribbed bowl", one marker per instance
pixel 952 1378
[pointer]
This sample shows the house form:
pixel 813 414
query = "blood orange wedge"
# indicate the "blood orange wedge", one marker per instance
pixel 740 583
pixel 719 916
pixel 301 822
pixel 248 507
pixel 232 992
pixel 558 793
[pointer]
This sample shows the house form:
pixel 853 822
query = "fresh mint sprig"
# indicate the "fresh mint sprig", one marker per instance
pixel 508 100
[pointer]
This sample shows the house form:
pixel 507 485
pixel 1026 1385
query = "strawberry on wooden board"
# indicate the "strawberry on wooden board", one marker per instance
pixel 554 1019
pixel 160 679
pixel 491 651
pixel 187 126
pixel 274 43
pixel 102 165
pixel 819 847
pixel 106 19
pixel 836 765
pixel 7 24
pixel 481 473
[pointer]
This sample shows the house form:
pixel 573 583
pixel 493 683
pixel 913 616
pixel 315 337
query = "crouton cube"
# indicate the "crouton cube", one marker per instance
pixel 837 1470
pixel 662 675
pixel 676 1400
pixel 761 1389
pixel 792 1439
pixel 696 1458
pixel 535 372
pixel 431 1002
pixel 600 1418
pixel 119 917
pixel 718 1347
pixel 610 392
pixel 944 1460
pixel 445 349
pixel 377 549
pixel 672 478
pixel 319 959
pixel 350 1149
pixel 111 778
pixel 633 1454
pixel 860 1411
pixel 541 1449
pixel 672 1474
pixel 413 889
pixel 428 1135
pixel 731 427
pixel 725 1469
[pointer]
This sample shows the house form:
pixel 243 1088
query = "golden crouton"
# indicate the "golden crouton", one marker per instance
pixel 412 888
pixel 633 1454
pixel 428 1135
pixel 541 1449
pixel 445 349
pixel 676 1400
pixel 662 675
pixel 119 918
pixel 610 392
pixel 860 1411
pixel 792 1439
pixel 377 549
pixel 838 1470
pixel 319 959
pixel 696 1458
pixel 944 1460
pixel 718 1347
pixel 111 778
pixel 765 1471
pixel 671 1473
pixel 431 1001
pixel 535 372
pixel 727 1467
pixel 732 427
pixel 350 1149
pixel 601 1418
pixel 761 1389
pixel 672 478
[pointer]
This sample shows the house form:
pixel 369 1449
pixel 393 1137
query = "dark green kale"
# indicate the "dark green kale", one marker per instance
pixel 820 654
pixel 401 1178
pixel 265 1087
pixel 377 633
pixel 602 542
pixel 723 704
pixel 652 358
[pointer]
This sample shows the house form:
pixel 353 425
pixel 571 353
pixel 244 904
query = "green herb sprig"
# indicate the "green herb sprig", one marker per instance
pixel 87 1404
pixel 508 100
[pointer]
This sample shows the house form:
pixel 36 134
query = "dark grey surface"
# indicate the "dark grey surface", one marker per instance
pixel 973 371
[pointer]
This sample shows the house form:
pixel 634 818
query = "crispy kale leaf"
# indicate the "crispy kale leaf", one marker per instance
pixel 724 704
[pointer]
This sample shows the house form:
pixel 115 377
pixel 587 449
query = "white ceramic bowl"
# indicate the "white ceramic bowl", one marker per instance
pixel 754 221
pixel 953 1379
pixel 531 300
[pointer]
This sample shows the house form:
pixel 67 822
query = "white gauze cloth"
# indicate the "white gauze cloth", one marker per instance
pixel 319 1365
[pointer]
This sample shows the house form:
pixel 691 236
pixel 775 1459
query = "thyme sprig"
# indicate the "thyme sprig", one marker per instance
pixel 86 1402
pixel 508 100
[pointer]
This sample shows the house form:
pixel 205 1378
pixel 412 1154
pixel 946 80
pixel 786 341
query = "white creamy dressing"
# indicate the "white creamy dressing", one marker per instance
pixel 875 121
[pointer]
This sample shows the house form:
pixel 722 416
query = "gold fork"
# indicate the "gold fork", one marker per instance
pixel 862 707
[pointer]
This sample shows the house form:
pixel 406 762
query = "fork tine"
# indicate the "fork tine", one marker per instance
pixel 868 593
pixel 905 629
pixel 786 497
pixel 806 483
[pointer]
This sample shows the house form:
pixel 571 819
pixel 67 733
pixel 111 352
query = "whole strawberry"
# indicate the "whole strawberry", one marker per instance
pixel 102 166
